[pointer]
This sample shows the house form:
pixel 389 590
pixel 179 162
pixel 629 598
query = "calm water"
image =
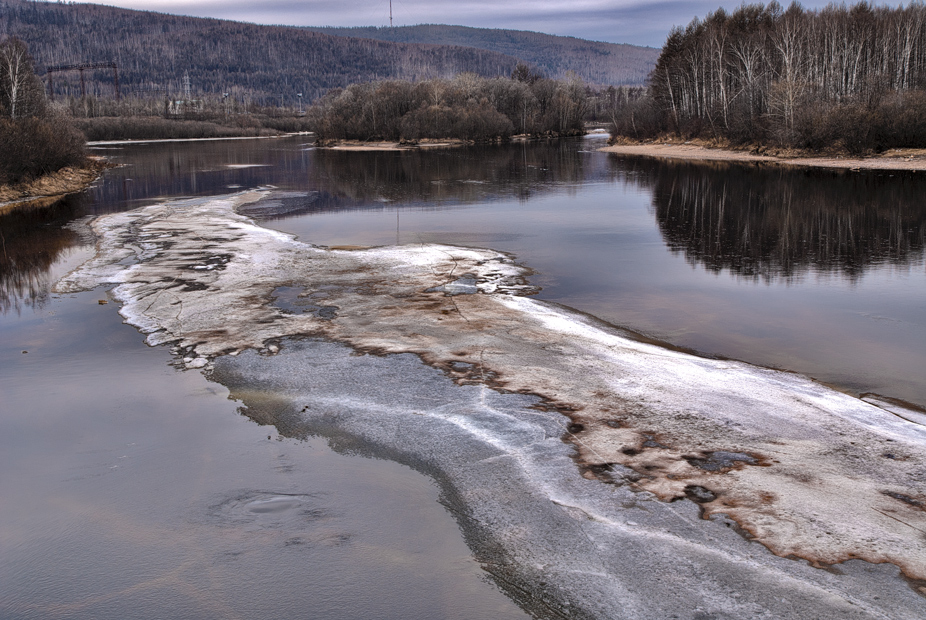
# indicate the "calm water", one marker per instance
pixel 127 485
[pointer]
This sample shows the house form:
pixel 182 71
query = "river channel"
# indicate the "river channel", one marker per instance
pixel 133 488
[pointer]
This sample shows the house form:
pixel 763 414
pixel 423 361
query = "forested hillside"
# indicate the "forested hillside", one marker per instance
pixel 602 64
pixel 261 64
pixel 269 65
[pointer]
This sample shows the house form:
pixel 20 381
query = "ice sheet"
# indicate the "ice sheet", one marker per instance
pixel 807 471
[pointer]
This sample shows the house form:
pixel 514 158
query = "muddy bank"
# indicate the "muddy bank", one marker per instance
pixel 804 470
pixel 51 187
pixel 424 143
pixel 360 145
pixel 894 159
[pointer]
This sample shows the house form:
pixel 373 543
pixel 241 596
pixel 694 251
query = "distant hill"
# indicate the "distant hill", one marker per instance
pixel 262 64
pixel 596 62
pixel 267 64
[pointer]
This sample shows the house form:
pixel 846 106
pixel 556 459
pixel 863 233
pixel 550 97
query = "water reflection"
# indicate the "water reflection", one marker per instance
pixel 33 240
pixel 197 168
pixel 444 177
pixel 758 223
pixel 767 223
pixel 336 180
pixel 320 181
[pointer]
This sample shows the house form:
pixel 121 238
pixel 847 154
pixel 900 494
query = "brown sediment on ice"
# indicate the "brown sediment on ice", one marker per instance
pixel 808 471
pixel 894 159
pixel 50 188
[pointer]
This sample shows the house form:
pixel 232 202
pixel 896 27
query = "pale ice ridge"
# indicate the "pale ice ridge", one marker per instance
pixel 717 387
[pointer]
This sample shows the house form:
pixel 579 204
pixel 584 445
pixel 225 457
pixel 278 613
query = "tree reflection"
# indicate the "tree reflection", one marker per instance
pixel 450 176
pixel 32 239
pixel 769 223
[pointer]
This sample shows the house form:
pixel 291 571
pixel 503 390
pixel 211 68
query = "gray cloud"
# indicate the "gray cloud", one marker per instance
pixel 616 21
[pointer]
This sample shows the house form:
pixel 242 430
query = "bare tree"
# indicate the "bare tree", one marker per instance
pixel 21 91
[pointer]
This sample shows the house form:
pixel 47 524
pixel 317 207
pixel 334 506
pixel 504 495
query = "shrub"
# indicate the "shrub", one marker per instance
pixel 156 128
pixel 31 147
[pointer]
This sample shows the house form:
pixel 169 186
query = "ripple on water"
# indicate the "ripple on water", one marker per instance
pixel 267 509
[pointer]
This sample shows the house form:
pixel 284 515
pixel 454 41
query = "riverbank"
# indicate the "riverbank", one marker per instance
pixel 51 187
pixel 425 143
pixel 894 159
pixel 109 128
pixel 360 145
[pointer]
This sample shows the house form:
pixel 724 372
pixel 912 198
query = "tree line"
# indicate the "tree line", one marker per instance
pixel 466 107
pixel 847 76
pixel 34 139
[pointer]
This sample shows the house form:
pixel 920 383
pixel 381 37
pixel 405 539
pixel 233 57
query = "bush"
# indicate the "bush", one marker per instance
pixel 156 128
pixel 31 147
pixel 434 120
pixel 900 121
pixel 481 123
pixel 33 139
pixel 468 123
pixel 896 120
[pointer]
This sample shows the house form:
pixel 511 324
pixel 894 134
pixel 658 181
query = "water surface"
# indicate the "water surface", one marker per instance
pixel 129 485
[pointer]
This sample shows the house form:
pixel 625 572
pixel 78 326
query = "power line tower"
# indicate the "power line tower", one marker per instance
pixel 50 71
pixel 186 86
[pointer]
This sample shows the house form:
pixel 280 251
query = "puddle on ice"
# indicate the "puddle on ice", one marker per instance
pixel 297 300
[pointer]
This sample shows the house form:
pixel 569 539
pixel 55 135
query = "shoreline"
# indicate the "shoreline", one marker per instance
pixel 359 145
pixel 48 189
pixel 216 139
pixel 424 143
pixel 894 159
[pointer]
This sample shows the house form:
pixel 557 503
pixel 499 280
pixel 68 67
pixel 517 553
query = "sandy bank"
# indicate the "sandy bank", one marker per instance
pixel 894 159
pixel 357 145
pixel 51 187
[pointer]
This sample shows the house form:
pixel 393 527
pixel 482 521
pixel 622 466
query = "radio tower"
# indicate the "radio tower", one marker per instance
pixel 390 13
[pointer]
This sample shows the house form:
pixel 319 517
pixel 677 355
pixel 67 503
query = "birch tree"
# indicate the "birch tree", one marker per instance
pixel 21 92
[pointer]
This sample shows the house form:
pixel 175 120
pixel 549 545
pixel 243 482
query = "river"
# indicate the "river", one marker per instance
pixel 132 488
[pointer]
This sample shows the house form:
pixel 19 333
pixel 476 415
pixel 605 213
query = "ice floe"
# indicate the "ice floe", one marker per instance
pixel 805 470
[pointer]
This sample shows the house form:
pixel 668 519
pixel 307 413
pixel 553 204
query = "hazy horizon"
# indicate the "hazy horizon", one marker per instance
pixel 612 21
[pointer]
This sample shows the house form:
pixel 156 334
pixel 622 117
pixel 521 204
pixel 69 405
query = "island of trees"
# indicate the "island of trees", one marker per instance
pixel 467 107
pixel 850 77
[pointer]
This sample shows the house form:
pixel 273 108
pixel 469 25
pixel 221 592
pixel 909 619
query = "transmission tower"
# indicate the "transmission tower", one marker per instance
pixel 390 13
pixel 50 71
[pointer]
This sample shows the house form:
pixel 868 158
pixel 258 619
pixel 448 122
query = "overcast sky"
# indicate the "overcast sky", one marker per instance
pixel 616 21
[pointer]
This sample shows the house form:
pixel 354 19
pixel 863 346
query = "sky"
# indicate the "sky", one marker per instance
pixel 614 21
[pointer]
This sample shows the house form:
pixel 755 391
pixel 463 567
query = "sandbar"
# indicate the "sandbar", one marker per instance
pixel 893 159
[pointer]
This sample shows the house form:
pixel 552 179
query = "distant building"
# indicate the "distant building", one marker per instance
pixel 181 107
